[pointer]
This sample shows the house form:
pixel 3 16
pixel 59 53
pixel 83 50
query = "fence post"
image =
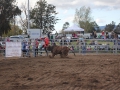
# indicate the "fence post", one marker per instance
pixel 116 46
pixel 79 45
pixel 96 46
pixel 4 51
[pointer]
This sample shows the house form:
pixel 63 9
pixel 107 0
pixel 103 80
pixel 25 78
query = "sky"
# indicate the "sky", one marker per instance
pixel 103 11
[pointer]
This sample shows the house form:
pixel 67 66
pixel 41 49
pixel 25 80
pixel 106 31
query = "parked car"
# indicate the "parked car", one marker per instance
pixel 16 38
pixel 2 43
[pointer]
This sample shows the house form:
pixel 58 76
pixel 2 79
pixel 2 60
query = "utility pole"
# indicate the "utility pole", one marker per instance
pixel 28 16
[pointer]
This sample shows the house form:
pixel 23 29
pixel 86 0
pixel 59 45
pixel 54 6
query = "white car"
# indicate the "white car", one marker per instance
pixel 2 43
pixel 16 38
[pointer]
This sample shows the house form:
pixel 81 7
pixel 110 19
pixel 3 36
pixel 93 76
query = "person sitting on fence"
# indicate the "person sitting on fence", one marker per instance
pixel 95 34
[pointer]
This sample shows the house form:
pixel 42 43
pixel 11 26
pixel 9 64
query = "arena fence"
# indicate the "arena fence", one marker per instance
pixel 80 46
pixel 92 46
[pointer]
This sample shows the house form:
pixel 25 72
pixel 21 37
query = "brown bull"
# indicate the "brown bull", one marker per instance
pixel 62 50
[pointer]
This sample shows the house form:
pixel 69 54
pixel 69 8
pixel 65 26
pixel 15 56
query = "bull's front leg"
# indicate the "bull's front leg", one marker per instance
pixel 52 55
pixel 61 55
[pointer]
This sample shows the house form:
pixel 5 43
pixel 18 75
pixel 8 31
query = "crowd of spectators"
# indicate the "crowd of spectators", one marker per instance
pixel 103 35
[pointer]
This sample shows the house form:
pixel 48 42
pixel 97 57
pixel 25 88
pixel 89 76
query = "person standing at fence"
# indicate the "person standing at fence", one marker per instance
pixel 48 34
pixel 83 46
pixel 36 47
pixel 41 45
pixel 33 48
pixel 28 49
pixel 23 48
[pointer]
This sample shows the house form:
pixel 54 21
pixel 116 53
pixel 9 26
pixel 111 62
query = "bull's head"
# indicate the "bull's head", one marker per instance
pixel 72 50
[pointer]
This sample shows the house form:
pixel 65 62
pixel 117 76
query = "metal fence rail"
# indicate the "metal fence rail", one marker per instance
pixel 80 46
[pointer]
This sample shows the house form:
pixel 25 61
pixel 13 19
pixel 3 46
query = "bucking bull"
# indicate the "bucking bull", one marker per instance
pixel 62 50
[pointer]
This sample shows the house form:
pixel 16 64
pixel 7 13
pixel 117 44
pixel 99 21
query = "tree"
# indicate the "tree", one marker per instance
pixel 15 30
pixel 65 25
pixel 43 16
pixel 8 10
pixel 110 27
pixel 83 18
pixel 117 29
pixel 94 27
pixel 24 20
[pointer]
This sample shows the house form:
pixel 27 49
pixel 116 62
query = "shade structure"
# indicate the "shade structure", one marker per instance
pixel 73 28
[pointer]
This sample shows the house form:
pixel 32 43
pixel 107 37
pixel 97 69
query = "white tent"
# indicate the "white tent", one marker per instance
pixel 73 28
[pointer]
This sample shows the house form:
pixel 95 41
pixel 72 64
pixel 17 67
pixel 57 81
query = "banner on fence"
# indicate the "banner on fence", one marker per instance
pixel 13 49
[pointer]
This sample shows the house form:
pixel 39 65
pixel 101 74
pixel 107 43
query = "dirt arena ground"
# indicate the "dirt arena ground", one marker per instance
pixel 83 72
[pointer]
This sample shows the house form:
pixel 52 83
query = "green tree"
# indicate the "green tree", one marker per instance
pixel 66 25
pixel 94 26
pixel 8 10
pixel 117 29
pixel 110 27
pixel 15 30
pixel 23 18
pixel 43 16
pixel 83 19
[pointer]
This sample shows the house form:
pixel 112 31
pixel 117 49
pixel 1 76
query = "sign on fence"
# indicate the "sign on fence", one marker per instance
pixel 13 49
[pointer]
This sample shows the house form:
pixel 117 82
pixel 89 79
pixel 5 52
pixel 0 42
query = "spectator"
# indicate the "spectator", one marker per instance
pixel 36 47
pixel 107 35
pixel 8 40
pixel 28 49
pixel 24 48
pixel 103 34
pixel 95 34
pixel 73 34
pixel 83 46
pixel 92 34
pixel 41 45
pixel 49 35
pixel 112 35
